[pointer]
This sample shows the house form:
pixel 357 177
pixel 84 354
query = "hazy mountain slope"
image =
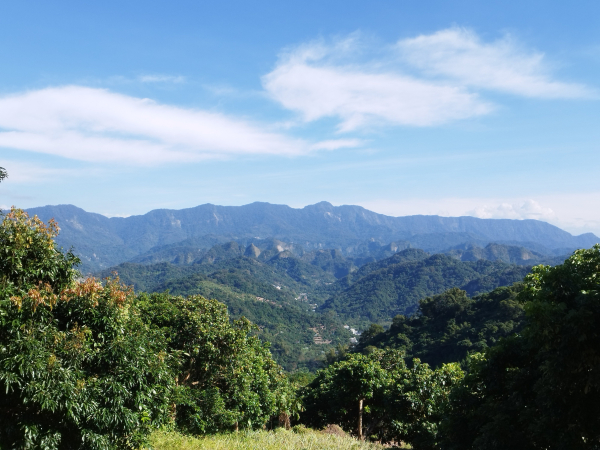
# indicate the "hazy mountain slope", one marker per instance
pixel 510 254
pixel 316 226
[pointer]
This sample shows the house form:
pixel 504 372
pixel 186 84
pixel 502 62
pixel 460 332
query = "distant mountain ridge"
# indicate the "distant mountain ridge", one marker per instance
pixel 103 242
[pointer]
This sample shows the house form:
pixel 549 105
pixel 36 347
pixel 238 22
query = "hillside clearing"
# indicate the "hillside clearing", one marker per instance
pixel 260 440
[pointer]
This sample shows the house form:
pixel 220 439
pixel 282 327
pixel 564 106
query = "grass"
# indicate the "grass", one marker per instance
pixel 280 439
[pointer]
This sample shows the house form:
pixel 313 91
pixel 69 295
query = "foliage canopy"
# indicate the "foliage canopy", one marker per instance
pixel 451 325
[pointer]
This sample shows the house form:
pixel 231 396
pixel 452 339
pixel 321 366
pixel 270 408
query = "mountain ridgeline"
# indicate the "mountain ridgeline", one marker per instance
pixel 102 242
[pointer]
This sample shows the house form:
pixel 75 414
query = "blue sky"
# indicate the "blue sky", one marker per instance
pixel 431 107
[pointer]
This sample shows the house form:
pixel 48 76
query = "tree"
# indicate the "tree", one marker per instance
pixel 417 401
pixel 78 368
pixel 563 310
pixel 3 174
pixel 226 378
pixel 349 393
pixel 539 389
pixel 377 395
pixel 29 257
pixel 494 404
pixel 85 364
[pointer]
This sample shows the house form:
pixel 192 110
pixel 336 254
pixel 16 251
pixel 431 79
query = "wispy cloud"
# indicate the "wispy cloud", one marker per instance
pixel 336 144
pixel 24 172
pixel 312 81
pixel 528 209
pixel 570 212
pixel 424 81
pixel 98 125
pixel 161 78
pixel 503 65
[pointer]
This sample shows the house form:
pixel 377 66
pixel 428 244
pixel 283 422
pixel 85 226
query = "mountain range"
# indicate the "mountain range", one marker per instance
pixel 102 242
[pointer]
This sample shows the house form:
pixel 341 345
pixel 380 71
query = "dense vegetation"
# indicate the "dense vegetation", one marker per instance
pixel 87 365
pixel 451 325
pixel 535 389
pixel 379 396
pixel 396 284
pixel 247 287
pixel 539 388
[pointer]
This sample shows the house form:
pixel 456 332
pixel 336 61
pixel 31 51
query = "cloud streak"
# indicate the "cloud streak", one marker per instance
pixel 161 79
pixel 459 54
pixel 528 209
pixel 98 125
pixel 21 172
pixel 310 82
pixel 423 81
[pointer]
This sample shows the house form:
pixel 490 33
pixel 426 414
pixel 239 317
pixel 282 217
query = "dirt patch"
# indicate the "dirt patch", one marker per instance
pixel 333 429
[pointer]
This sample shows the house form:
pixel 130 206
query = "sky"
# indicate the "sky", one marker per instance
pixel 487 109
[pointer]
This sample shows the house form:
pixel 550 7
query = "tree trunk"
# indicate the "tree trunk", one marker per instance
pixel 360 415
pixel 284 420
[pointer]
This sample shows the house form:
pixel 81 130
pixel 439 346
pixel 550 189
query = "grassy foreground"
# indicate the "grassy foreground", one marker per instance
pixel 260 440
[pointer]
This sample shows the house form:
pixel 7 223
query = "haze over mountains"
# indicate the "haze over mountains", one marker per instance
pixel 102 242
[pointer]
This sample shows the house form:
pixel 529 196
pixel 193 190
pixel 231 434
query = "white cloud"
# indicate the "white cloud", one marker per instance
pixel 423 81
pixel 25 172
pixel 459 54
pixel 335 144
pixel 528 209
pixel 21 172
pixel 97 125
pixel 161 78
pixel 571 212
pixel 311 81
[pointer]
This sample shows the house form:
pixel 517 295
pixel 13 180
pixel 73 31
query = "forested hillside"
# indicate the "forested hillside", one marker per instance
pixel 302 303
pixel 450 326
pixel 278 294
pixel 395 285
